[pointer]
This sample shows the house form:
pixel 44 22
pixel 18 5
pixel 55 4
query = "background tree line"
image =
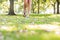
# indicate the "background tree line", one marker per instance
pixel 37 6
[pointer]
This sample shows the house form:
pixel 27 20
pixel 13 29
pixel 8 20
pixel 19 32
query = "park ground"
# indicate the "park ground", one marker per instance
pixel 35 27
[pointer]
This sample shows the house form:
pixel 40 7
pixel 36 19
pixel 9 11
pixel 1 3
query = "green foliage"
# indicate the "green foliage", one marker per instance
pixel 1 1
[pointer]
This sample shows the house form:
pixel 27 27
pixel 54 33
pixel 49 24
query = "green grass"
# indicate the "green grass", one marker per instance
pixel 39 35
pixel 36 19
pixel 19 22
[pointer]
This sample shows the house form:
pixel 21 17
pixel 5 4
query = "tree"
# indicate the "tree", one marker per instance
pixel 53 3
pixel 54 8
pixel 57 6
pixel 32 6
pixel 38 6
pixel 11 9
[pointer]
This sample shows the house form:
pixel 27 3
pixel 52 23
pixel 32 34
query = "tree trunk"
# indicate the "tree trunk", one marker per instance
pixel 11 9
pixel 38 6
pixel 57 6
pixel 54 8
pixel 33 10
pixel 32 7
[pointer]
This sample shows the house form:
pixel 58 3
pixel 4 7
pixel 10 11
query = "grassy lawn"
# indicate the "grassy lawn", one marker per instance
pixel 11 26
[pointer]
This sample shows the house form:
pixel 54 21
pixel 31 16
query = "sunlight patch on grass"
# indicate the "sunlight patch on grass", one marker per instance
pixel 8 28
pixel 47 27
pixel 32 27
pixel 55 23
